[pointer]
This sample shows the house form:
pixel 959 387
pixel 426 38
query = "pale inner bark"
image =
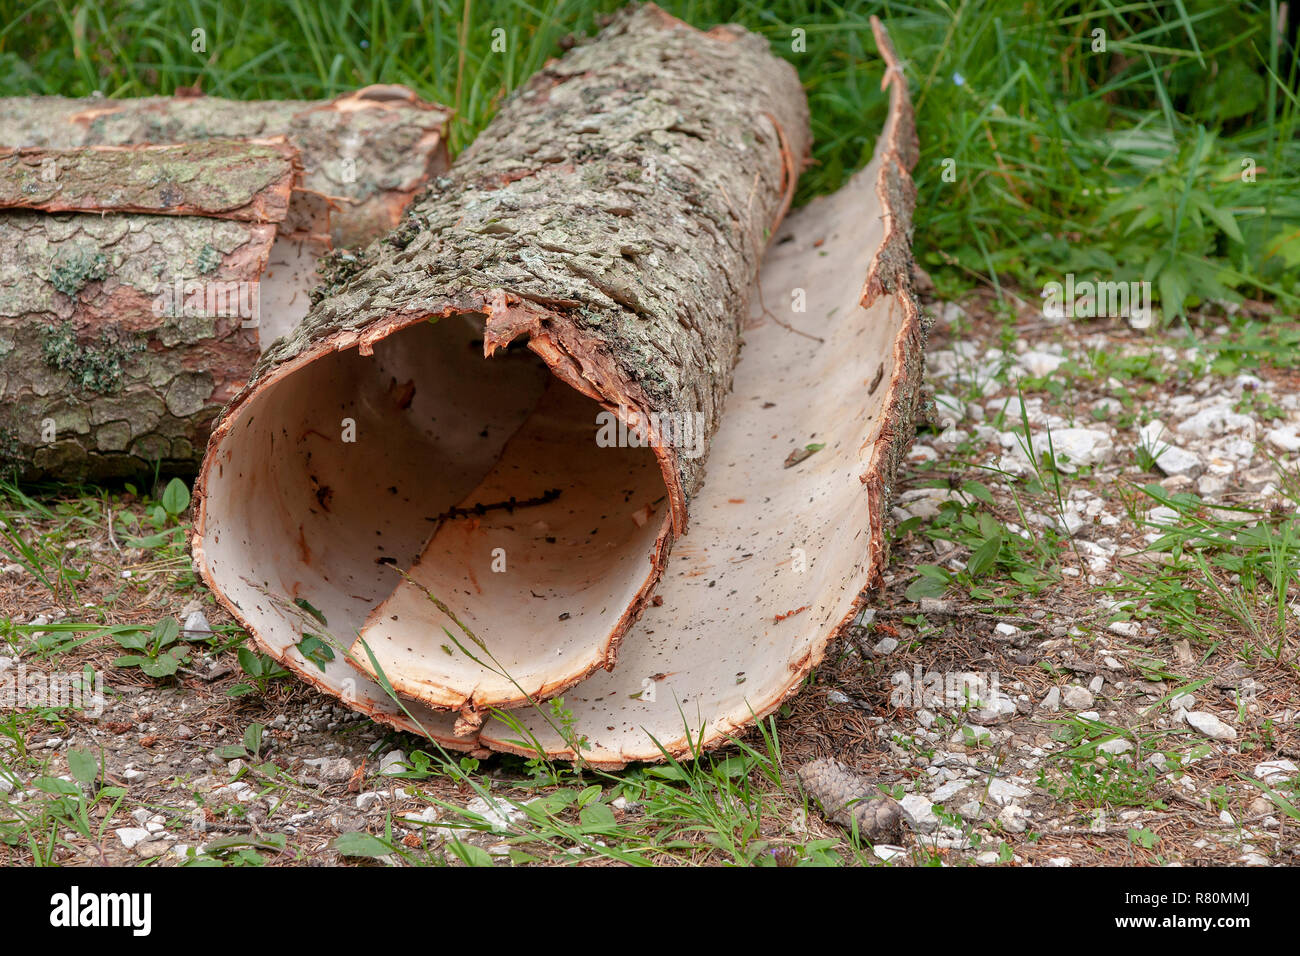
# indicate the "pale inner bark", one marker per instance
pixel 333 478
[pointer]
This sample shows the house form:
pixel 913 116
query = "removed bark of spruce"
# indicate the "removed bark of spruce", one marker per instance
pixel 139 281
pixel 776 558
pixel 611 219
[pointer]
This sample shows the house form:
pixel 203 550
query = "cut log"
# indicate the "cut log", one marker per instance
pixel 364 155
pixel 611 218
pixel 227 179
pixel 787 530
pixel 139 282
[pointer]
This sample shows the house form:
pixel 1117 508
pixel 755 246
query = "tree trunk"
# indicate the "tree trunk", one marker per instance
pixel 612 218
pixel 132 315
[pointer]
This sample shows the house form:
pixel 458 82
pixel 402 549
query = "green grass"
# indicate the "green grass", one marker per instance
pixel 1230 569
pixel 1123 165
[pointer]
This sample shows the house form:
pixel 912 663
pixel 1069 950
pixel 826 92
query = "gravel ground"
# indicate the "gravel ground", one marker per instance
pixel 1079 692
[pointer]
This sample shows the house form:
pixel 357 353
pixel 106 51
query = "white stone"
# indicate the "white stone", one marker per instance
pixel 1070 522
pixel 1215 420
pixel 1076 697
pixel 427 815
pixel 1275 771
pixel 1052 700
pixel 1003 792
pixel 949 409
pixel 1173 460
pixel 1285 439
pixel 331 769
pixel 1077 447
pixel 1211 725
pixel 1013 818
pixel 920 812
pixel 498 814
pixel 1040 364
pixel 1162 516
pixel 196 625
pixel 949 790
pixel 132 837
pixel 1117 746
pixel 392 762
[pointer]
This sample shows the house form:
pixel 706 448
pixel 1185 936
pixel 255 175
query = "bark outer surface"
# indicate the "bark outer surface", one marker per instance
pixel 228 179
pixel 104 371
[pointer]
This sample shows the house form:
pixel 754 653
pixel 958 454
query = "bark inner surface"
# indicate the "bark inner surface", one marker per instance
pixel 419 486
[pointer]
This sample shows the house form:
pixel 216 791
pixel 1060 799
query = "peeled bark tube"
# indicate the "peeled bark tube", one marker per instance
pixel 737 624
pixel 778 561
pixel 612 219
